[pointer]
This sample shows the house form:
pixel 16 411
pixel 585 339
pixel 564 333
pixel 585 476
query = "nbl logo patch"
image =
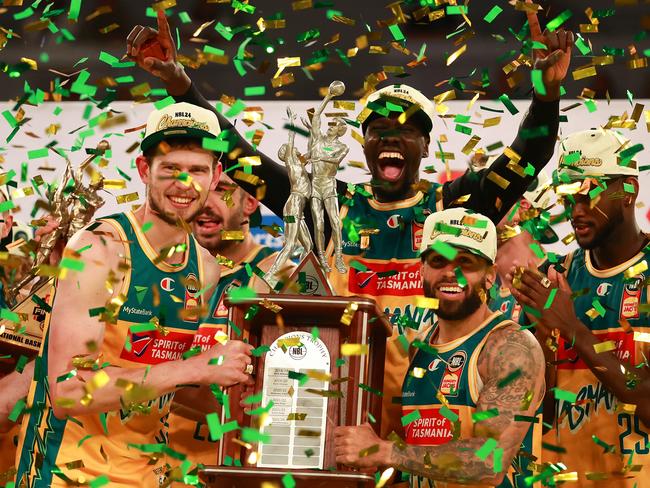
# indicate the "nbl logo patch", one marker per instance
pixel 631 297
pixel 451 379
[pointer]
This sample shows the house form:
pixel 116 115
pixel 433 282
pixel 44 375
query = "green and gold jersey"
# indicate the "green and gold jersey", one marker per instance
pixel 52 450
pixel 600 438
pixel 381 242
pixel 451 375
pixel 188 436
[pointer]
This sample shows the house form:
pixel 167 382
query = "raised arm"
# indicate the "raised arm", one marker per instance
pixel 72 329
pixel 495 190
pixel 180 86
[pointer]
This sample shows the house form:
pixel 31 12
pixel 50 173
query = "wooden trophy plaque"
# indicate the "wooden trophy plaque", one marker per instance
pixel 318 372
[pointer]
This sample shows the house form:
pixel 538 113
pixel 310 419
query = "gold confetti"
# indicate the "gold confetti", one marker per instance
pixel 467 148
pixel 246 178
pixel 418 372
pixel 354 349
pixel 605 347
pixel 269 305
pixel 109 28
pixel 301 5
pixel 127 197
pixel 443 97
pixel 250 161
pixel 572 476
pixel 232 235
pixel 385 476
pixel 456 54
pixel 581 73
pixel 114 184
pixel 343 105
pixel 348 313
pixel 497 179
pixel 285 79
pixel 492 121
pixel 642 336
pixel 297 416
pixel 425 302
pixel 636 270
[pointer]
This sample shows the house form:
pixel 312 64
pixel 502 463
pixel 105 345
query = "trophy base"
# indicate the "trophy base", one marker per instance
pixel 236 477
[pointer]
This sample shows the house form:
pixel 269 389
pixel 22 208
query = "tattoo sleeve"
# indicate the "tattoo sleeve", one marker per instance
pixel 509 353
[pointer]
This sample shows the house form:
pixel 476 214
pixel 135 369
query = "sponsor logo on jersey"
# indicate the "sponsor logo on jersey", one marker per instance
pixel 417 229
pixel 631 297
pixel 395 279
pixel 221 310
pixel 191 283
pixel 451 379
pixel 154 348
pixel 393 221
pixel 603 289
pixel 167 284
pixel 431 429
pixel 433 365
pixel 505 306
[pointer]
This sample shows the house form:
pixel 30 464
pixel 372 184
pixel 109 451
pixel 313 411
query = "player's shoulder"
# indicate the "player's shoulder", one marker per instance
pixel 507 335
pixel 98 237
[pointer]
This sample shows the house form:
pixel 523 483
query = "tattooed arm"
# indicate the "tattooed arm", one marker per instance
pixel 506 351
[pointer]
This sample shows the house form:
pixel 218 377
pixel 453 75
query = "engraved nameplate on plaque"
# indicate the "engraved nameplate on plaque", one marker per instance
pixel 295 371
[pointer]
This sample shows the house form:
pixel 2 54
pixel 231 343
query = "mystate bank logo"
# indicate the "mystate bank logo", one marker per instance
pixel 395 279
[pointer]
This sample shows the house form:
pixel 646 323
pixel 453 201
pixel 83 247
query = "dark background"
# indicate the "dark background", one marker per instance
pixel 624 25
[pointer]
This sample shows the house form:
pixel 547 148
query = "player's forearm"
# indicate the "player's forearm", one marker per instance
pixel 629 384
pixel 13 387
pixel 149 384
pixel 454 462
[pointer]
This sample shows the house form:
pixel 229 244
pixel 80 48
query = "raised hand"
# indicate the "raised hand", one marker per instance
pixel 553 61
pixel 154 51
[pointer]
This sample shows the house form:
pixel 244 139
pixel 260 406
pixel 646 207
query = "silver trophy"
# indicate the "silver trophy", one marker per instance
pixel 295 228
pixel 325 152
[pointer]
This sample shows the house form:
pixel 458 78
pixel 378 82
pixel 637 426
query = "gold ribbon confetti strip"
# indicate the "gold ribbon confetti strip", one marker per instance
pixel 348 313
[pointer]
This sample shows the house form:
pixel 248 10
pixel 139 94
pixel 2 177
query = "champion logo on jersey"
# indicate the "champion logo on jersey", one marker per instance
pixel 603 289
pixel 394 221
pixel 167 284
pixel 433 365
pixel 504 307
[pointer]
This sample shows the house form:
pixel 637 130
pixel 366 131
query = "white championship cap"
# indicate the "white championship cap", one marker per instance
pixel 180 120
pixel 595 153
pixel 399 94
pixel 461 228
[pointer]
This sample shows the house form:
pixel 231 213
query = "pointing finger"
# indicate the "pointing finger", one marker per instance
pixel 163 25
pixel 533 22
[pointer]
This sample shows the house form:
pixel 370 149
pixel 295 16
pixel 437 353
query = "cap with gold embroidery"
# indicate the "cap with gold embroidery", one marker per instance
pixel 595 153
pixel 402 98
pixel 461 228
pixel 180 120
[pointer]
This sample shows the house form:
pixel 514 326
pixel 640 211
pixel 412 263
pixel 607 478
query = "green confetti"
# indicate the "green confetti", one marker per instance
pixel 498 460
pixel 146 227
pixel 258 351
pixel 7 314
pixel 492 14
pixel 411 417
pixel 509 378
pixel 17 410
pixel 213 50
pixel 254 91
pixel 537 78
pixel 582 46
pixel 185 17
pixel 249 434
pixel 359 266
pixel 445 250
pixel 591 105
pixel 252 399
pixel 505 99
pixel 73 264
pixel 567 396
pixel 537 250
pixel 485 415
pixel 11 120
pixel 7 205
pixel 165 102
pixel 288 481
pixel 559 20
pixel 396 32
pixel 37 153
pixel 99 481
pixel 216 145
pixel 145 327
pixel 551 297
pixel 598 306
pixel 448 414
pixel 628 188
pixel 302 378
pixel 486 449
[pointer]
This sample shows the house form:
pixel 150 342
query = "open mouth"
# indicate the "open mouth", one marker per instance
pixel 449 292
pixel 391 165
pixel 208 224
pixel 581 229
pixel 179 201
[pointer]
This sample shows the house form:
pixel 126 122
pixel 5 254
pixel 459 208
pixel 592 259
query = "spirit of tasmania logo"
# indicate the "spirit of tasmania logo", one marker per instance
pixel 397 279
